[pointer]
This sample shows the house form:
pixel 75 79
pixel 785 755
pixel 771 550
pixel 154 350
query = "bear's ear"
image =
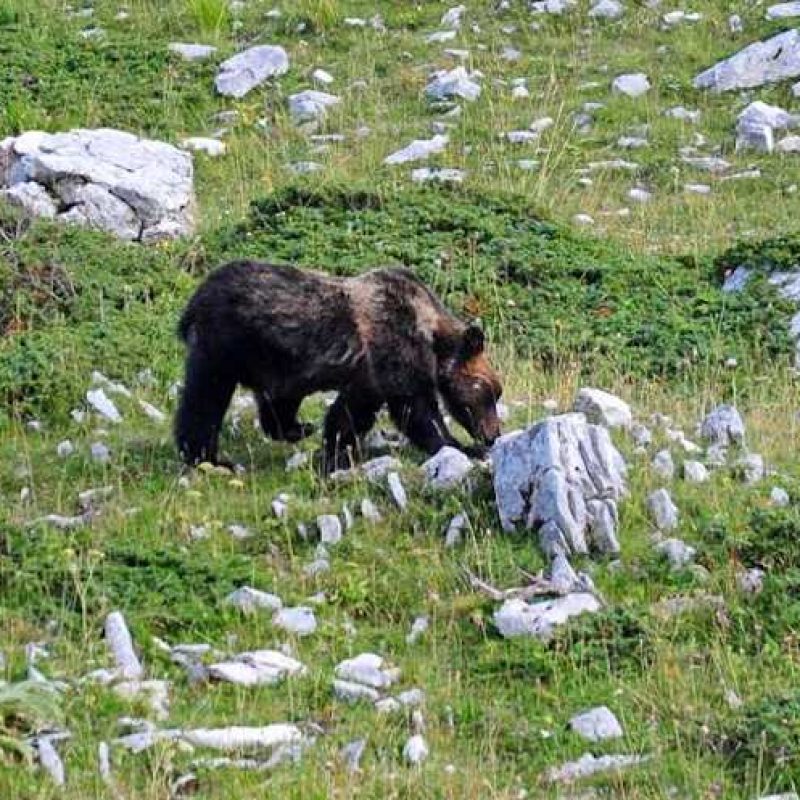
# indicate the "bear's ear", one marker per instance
pixel 473 342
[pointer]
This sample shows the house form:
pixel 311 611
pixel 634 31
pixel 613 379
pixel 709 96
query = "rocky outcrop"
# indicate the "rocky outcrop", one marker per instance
pixel 110 180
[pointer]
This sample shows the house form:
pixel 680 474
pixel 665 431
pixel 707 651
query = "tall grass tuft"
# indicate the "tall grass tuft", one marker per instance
pixel 212 17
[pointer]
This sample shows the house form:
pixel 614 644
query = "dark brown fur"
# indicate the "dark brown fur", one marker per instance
pixel 380 338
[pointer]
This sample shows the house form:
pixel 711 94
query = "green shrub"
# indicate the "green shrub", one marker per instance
pixel 763 739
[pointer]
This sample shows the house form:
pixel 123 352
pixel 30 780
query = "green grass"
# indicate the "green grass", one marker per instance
pixel 632 304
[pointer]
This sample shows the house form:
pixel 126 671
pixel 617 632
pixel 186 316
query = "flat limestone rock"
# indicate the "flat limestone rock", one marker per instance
pixel 250 68
pixel 588 765
pixel 192 52
pixel 249 600
pixel 771 61
pixel 518 618
pixel 239 738
pixel 561 477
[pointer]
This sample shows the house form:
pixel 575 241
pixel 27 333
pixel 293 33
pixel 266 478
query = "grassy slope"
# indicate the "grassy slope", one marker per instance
pixel 72 302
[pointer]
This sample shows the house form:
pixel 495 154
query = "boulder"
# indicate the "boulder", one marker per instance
pixel 561 477
pixel 774 60
pixel 250 68
pixel 137 189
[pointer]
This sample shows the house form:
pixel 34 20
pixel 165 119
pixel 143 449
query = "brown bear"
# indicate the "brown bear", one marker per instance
pixel 285 333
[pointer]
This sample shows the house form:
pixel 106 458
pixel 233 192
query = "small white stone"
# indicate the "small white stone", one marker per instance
pixel 779 497
pixel 249 600
pixel 663 464
pixel 397 491
pixel 631 85
pixel 597 725
pixel 330 529
pixel 203 144
pixel 603 407
pixel 370 511
pixel 323 77
pixel 750 581
pixel 694 472
pixel 677 552
pixel 639 195
pixel 697 188
pixel 416 749
pixel 662 510
pixel 419 627
pixel 299 620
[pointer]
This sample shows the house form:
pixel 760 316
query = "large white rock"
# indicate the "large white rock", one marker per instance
pixel 776 59
pixel 136 189
pixel 246 70
pixel 561 477
pixel 518 618
pixel 603 408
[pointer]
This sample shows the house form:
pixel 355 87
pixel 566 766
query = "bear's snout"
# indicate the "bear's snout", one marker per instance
pixel 489 429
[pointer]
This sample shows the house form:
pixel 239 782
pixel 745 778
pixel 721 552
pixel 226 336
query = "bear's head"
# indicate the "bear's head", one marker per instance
pixel 469 385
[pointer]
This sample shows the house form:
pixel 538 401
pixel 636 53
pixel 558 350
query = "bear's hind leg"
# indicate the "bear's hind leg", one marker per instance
pixel 279 421
pixel 347 419
pixel 204 401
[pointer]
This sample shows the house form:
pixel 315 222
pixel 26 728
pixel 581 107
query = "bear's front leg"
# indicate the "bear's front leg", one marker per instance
pixel 347 419
pixel 420 419
pixel 278 418
pixel 204 400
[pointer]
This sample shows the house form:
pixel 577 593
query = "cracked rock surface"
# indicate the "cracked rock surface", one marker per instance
pixel 110 180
